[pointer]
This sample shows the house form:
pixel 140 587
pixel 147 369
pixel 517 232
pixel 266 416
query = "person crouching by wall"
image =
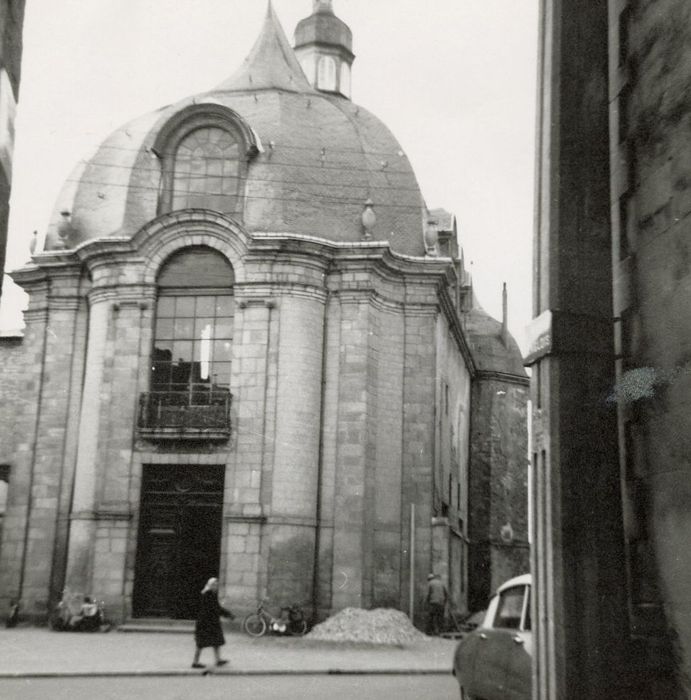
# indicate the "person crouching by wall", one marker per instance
pixel 207 630
pixel 13 615
pixel 437 597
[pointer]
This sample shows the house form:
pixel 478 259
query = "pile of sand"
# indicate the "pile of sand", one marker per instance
pixel 380 626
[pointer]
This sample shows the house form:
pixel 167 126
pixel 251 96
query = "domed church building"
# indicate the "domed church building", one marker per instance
pixel 252 351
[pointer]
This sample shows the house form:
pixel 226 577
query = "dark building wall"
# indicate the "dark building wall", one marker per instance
pixel 498 486
pixel 611 492
pixel 650 121
pixel 11 23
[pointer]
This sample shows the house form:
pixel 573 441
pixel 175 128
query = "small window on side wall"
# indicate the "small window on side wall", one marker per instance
pixel 4 484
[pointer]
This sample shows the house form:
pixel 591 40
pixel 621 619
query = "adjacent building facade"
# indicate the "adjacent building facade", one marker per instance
pixel 11 25
pixel 252 351
pixel 610 352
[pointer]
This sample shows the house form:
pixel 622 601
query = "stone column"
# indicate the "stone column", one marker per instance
pixel 350 511
pixel 49 467
pixel 296 457
pixel 386 488
pixel 577 560
pixel 419 399
pixel 127 347
pixel 83 523
pixel 248 477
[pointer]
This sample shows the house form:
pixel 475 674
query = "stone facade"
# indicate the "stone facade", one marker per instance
pixel 291 486
pixel 352 373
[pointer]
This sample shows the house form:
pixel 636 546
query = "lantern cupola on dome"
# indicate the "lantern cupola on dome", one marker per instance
pixel 324 47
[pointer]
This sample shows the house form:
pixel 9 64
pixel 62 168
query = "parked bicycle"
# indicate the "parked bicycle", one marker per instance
pixel 291 622
pixel 79 613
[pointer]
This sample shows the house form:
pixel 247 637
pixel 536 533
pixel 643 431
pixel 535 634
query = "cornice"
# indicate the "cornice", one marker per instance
pixel 123 294
pixel 451 314
pixel 488 374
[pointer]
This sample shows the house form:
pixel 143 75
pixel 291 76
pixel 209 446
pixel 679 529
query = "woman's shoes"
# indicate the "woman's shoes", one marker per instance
pixel 197 665
pixel 221 662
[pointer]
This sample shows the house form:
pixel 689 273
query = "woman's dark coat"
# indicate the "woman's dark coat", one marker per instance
pixel 207 631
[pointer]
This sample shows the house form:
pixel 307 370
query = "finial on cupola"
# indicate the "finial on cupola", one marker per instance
pixel 324 47
pixel 322 6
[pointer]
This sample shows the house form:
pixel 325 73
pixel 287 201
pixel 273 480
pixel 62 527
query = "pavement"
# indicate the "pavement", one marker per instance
pixel 31 652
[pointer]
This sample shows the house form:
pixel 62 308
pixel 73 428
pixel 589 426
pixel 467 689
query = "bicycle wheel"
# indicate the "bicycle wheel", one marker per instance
pixel 254 625
pixel 298 628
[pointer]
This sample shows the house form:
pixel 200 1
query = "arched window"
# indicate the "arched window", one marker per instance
pixel 193 335
pixel 344 87
pixel 308 67
pixel 206 171
pixel 326 78
pixel 204 151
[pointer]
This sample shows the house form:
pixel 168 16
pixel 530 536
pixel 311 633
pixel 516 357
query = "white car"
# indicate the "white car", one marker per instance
pixel 494 661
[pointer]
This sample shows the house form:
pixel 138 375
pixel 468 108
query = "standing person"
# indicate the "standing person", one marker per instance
pixel 13 617
pixel 207 630
pixel 437 597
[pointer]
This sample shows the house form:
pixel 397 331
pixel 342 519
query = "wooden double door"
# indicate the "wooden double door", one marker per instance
pixel 179 541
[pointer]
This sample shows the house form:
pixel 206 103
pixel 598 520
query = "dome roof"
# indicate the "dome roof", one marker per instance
pixel 490 350
pixel 318 159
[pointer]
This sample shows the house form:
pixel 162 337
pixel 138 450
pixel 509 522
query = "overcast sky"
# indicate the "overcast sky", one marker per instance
pixel 453 79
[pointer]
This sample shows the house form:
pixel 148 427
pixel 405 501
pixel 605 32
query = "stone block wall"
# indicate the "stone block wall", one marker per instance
pixel 327 453
pixel 452 435
pixel 650 118
pixel 498 487
pixel 39 386
pixel 387 560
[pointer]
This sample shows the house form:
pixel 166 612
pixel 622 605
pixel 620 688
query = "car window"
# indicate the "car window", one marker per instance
pixel 526 625
pixel 510 608
pixel 488 620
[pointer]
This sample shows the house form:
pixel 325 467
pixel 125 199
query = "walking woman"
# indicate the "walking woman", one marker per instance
pixel 207 631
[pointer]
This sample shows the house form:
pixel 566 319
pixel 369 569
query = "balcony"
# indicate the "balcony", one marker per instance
pixel 196 414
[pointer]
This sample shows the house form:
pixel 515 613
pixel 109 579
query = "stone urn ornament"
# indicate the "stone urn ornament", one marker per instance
pixel 64 228
pixel 369 219
pixel 431 237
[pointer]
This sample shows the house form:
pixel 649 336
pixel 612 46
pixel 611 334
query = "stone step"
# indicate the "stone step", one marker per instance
pixel 169 625
pixel 157 624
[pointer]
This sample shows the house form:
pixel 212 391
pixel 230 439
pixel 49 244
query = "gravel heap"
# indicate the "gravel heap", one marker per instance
pixel 380 626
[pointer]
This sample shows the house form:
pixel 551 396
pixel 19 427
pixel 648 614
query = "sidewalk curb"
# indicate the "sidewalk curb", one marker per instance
pixel 252 672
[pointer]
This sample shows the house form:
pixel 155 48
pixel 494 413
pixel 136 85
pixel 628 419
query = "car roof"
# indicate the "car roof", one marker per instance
pixel 523 580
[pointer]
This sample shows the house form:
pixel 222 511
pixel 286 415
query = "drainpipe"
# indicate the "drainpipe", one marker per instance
pixel 411 572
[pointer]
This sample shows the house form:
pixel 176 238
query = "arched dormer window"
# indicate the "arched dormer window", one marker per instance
pixel 204 151
pixel 193 335
pixel 206 171
pixel 326 74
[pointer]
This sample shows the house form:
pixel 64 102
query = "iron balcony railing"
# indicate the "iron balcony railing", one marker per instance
pixel 196 411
